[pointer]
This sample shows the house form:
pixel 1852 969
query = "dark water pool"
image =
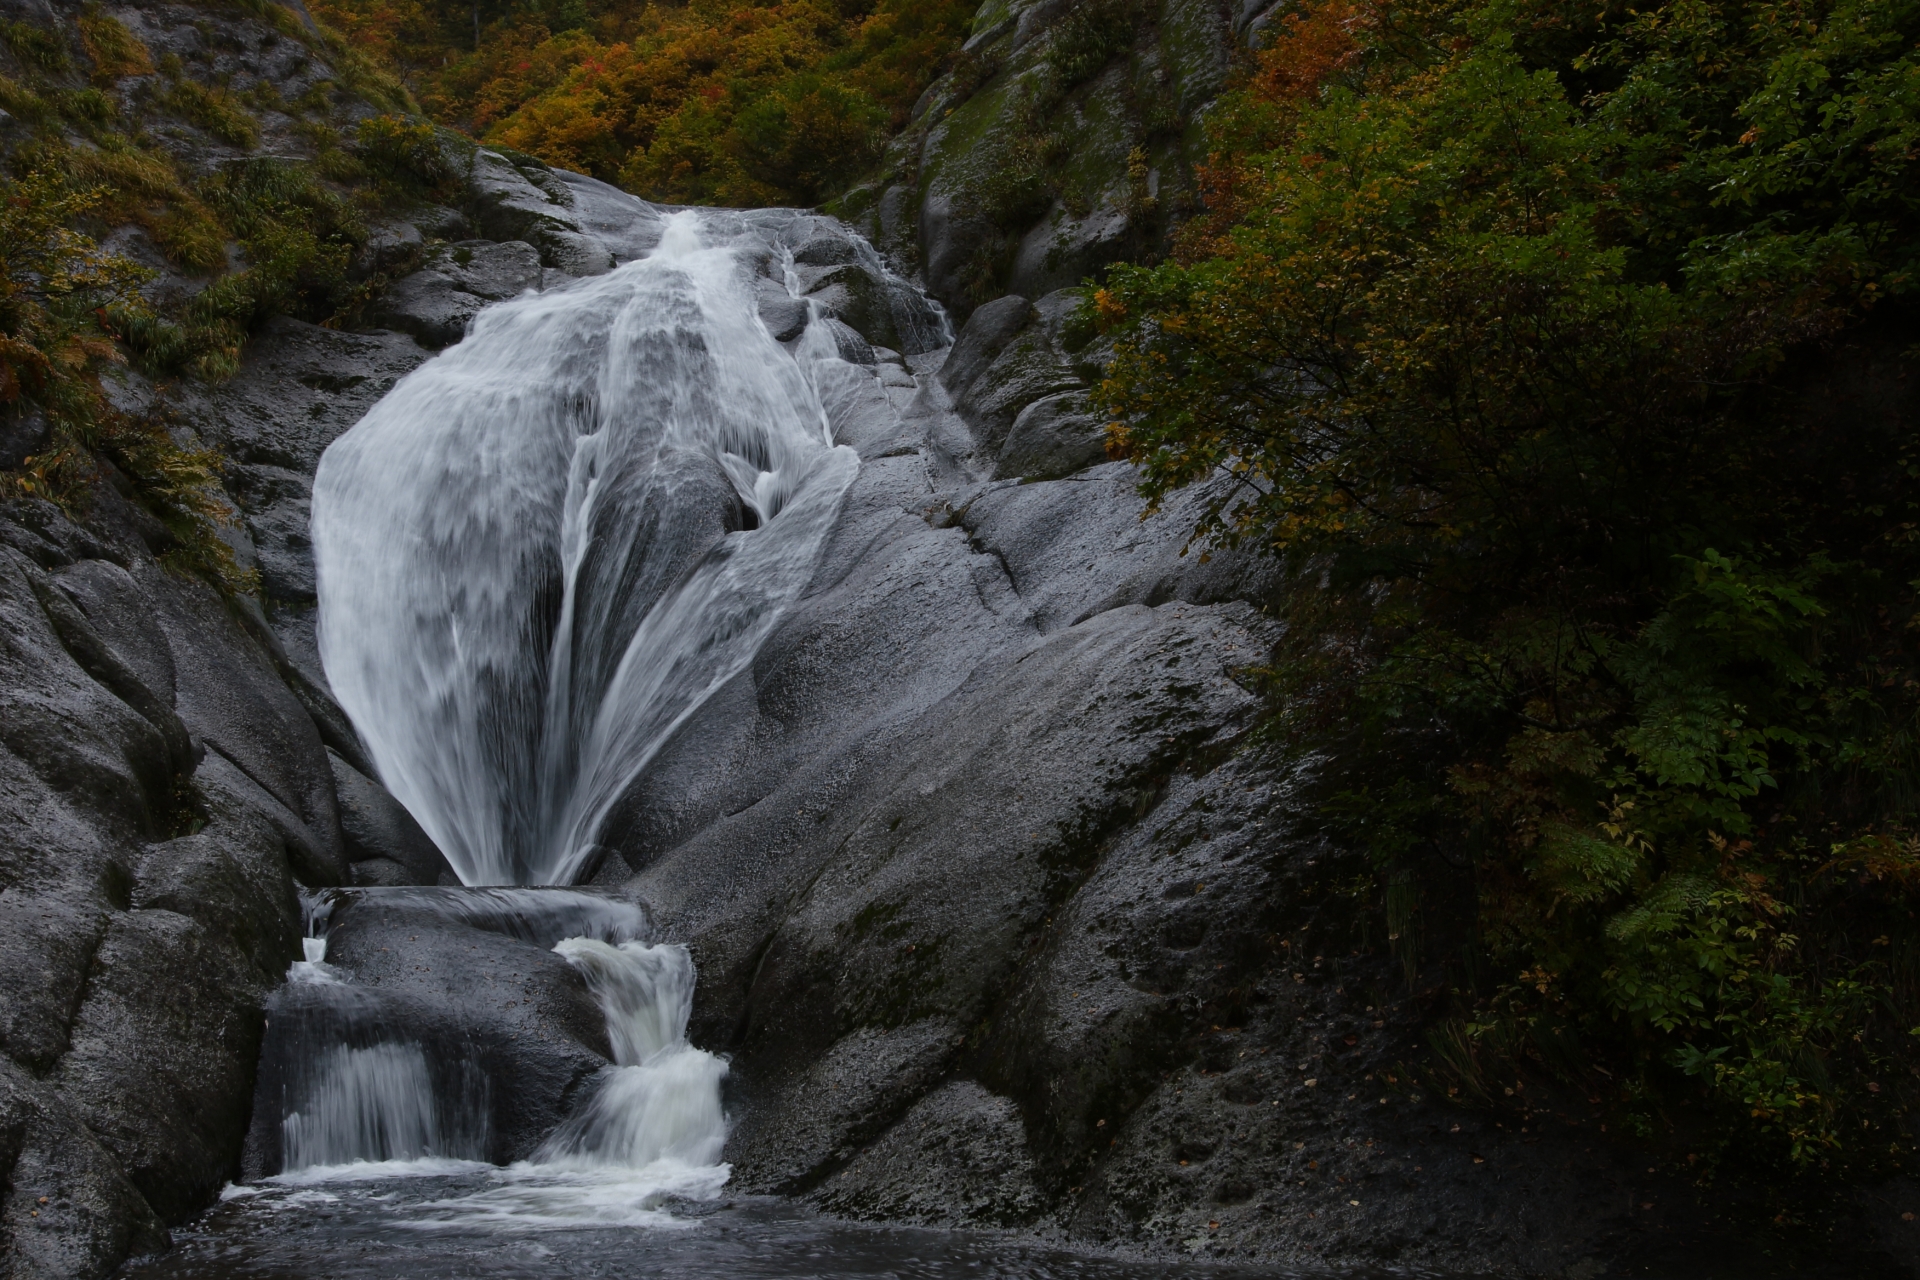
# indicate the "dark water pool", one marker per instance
pixel 472 1225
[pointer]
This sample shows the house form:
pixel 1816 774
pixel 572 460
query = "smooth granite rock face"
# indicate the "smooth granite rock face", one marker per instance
pixel 1119 146
pixel 437 303
pixel 517 198
pixel 379 830
pixel 146 886
pixel 165 783
pixel 956 1158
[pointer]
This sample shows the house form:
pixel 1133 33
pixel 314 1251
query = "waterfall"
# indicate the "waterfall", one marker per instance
pixel 661 1102
pixel 373 1104
pixel 537 556
pixel 543 550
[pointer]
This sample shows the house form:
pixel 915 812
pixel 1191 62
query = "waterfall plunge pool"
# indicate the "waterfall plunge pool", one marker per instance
pixel 430 1227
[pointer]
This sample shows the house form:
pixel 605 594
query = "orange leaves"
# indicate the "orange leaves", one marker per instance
pixel 1323 42
pixel 1315 44
pixel 662 97
pixel 114 50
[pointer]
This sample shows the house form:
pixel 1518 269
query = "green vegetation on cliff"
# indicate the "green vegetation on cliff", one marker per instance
pixel 102 139
pixel 1559 350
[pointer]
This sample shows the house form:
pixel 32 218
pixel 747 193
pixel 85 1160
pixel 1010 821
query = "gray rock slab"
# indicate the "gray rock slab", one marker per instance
pixel 377 826
pixel 437 303
pixel 1027 368
pixel 58 871
pixel 986 332
pixel 827 1109
pixel 518 198
pixel 70 1211
pixel 163 1054
pixel 298 388
pixel 958 1159
pixel 784 315
pixel 1052 437
pixel 628 226
pixel 79 739
pixel 1078 546
pixel 233 699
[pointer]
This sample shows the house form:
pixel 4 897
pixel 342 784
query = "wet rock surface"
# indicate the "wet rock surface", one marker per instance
pixel 1005 918
pixel 146 880
pixel 438 302
pixel 384 843
pixel 507 1026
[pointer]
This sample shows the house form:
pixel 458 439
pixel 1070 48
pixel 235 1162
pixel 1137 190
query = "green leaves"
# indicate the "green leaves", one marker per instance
pixel 1504 345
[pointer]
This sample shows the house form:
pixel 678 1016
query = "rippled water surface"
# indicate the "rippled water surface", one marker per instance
pixel 494 1224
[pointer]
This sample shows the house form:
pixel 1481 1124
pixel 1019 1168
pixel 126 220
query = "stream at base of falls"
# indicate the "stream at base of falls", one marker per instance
pixel 428 1228
pixel 379 1149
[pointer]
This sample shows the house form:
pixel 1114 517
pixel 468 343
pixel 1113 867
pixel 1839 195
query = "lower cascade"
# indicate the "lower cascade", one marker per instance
pixel 372 1104
pixel 366 1083
pixel 661 1101
pixel 537 556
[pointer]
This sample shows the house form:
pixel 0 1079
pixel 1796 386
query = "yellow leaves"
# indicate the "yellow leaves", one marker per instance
pixel 1617 828
pixel 1878 857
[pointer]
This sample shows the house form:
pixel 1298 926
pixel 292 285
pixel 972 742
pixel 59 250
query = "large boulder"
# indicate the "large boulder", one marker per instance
pixel 384 842
pixel 159 795
pixel 1053 436
pixel 519 198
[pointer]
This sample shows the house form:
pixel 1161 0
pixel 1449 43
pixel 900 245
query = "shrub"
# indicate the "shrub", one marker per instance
pixel 407 159
pixel 807 135
pixel 758 104
pixel 54 282
pixel 1089 36
pixel 35 46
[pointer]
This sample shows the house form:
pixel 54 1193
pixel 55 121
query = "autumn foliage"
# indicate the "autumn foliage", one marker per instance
pixel 1561 354
pixel 710 102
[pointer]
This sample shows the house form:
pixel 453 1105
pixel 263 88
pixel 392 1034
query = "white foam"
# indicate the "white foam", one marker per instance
pixel 370 1171
pixel 524 583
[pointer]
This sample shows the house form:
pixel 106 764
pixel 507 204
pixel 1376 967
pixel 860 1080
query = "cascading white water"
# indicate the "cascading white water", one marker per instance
pixel 372 1104
pixel 545 548
pixel 661 1102
pixel 537 556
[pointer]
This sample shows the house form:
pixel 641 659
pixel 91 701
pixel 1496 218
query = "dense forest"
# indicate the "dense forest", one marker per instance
pixel 1562 352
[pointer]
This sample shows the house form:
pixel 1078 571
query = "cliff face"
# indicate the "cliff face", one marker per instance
pixel 172 769
pixel 1002 911
pixel 1064 141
